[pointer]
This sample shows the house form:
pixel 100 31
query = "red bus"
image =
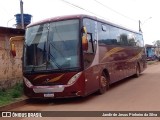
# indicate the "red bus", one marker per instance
pixel 78 55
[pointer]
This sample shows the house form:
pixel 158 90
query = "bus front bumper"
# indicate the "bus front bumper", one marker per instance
pixel 56 91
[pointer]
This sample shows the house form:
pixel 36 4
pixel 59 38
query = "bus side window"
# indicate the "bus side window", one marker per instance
pixel 91 34
pixel 131 39
pixel 123 39
pixel 139 41
pixel 104 35
pixel 114 35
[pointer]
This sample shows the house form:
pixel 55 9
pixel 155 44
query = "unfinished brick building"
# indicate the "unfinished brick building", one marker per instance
pixel 10 68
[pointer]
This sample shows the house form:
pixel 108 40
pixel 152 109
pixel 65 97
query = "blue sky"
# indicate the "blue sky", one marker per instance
pixel 123 12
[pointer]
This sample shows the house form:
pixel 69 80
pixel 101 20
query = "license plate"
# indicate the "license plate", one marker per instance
pixel 49 95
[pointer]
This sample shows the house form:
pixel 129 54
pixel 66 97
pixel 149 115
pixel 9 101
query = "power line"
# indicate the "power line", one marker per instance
pixel 77 6
pixel 81 8
pixel 74 5
pixel 70 4
pixel 115 11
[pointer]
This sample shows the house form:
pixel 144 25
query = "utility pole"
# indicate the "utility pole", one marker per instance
pixel 22 17
pixel 139 26
pixel 141 23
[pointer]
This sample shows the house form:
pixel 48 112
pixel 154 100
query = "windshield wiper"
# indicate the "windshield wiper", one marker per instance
pixel 52 56
pixel 53 59
pixel 56 50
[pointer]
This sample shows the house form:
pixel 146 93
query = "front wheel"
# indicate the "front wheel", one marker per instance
pixel 104 84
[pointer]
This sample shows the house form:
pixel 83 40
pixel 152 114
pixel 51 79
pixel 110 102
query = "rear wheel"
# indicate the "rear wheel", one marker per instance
pixel 137 71
pixel 104 84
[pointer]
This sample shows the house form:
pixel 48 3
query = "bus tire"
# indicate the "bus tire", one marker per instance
pixel 104 84
pixel 137 71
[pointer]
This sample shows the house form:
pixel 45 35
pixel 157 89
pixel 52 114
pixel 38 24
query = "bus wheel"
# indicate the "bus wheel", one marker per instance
pixel 104 84
pixel 137 71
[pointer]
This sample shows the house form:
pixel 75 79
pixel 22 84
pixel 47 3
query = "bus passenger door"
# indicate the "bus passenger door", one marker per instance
pixel 89 55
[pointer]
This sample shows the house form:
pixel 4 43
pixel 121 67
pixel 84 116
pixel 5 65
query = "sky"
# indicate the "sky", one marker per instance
pixel 123 12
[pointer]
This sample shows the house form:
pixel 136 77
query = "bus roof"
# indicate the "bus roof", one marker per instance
pixel 59 18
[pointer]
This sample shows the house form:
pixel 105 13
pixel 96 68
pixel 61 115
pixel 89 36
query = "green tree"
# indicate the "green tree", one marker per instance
pixel 157 45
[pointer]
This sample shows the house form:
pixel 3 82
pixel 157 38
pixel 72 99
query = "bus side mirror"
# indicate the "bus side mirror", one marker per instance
pixel 84 43
pixel 84 39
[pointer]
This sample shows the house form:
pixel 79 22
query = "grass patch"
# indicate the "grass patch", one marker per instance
pixel 151 62
pixel 11 95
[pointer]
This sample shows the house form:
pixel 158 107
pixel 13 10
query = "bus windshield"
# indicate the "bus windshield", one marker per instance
pixel 52 46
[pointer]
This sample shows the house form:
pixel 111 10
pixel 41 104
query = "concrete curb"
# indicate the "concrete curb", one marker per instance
pixel 14 105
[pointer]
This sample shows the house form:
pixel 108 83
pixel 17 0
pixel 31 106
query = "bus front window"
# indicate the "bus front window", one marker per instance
pixel 52 46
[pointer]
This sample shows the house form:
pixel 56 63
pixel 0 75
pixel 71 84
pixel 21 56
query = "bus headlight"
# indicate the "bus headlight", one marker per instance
pixel 74 78
pixel 27 82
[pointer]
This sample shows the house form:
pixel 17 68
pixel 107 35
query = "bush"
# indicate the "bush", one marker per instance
pixel 9 95
pixel 17 90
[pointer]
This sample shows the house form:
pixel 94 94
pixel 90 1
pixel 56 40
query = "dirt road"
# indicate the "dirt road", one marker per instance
pixel 131 94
